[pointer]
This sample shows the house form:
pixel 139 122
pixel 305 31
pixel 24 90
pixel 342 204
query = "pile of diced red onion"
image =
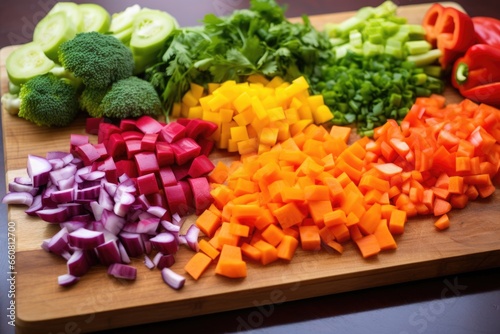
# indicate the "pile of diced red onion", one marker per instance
pixel 123 197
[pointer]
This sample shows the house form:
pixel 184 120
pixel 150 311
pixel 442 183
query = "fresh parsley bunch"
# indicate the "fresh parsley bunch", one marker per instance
pixel 258 40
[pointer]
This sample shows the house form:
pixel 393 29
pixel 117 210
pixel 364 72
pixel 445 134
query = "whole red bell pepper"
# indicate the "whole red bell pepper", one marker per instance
pixel 487 30
pixel 477 74
pixel 450 30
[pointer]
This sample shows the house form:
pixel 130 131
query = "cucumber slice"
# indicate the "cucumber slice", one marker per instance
pixel 52 31
pixel 151 29
pixel 94 18
pixel 72 12
pixel 26 62
pixel 124 36
pixel 124 20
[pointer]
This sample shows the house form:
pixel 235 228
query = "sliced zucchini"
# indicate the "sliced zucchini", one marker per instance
pixel 151 29
pixel 94 18
pixel 26 62
pixel 124 36
pixel 72 12
pixel 52 31
pixel 124 20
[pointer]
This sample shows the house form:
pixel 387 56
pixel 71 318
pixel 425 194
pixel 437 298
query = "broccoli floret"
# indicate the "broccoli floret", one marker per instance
pixel 11 103
pixel 131 97
pixel 49 101
pixel 90 101
pixel 98 59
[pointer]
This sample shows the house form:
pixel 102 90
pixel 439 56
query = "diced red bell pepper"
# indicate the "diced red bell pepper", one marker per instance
pixel 146 163
pixel 164 154
pixel 148 124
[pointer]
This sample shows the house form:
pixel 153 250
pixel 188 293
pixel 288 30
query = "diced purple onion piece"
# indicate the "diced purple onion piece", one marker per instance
pixel 112 222
pixel 35 206
pixel 67 280
pixel 59 242
pixel 148 263
pixel 132 242
pixel 78 264
pixel 85 239
pixel 109 253
pixel 72 225
pixel 123 271
pixel 63 173
pixel 53 215
pixel 165 242
pixel 123 253
pixel 191 236
pixel 24 180
pixel 172 279
pixel 21 198
pixel 18 187
pixel 38 170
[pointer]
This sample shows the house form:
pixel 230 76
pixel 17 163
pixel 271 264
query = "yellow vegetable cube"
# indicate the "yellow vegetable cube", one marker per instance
pixel 275 82
pixel 315 101
pixel 258 108
pixel 212 87
pixel 217 102
pixel 195 112
pixel 322 114
pixel 189 99
pixel 196 90
pixel 239 133
pixel 242 102
pixel 269 136
pixel 276 114
pixel 258 78
pixel 226 115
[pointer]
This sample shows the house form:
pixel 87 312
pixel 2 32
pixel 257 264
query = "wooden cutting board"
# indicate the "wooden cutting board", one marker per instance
pixel 100 302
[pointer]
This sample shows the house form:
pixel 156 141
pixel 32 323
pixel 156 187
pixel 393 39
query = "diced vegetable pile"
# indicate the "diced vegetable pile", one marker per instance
pixel 281 96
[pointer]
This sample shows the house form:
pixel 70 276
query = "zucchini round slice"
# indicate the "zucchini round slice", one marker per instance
pixel 52 31
pixel 71 10
pixel 124 20
pixel 26 62
pixel 151 29
pixel 94 18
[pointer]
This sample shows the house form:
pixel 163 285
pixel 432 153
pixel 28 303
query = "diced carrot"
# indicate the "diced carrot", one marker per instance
pixel 443 222
pixel 268 251
pixel 230 262
pixel 251 252
pixel 273 235
pixel 309 238
pixel 368 245
pixel 208 249
pixel 197 265
pixel 336 246
pixel 225 236
pixel 397 221
pixel 219 174
pixel 286 248
pixel 208 222
pixel 384 236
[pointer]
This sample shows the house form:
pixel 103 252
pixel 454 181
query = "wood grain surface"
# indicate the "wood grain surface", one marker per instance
pixel 101 302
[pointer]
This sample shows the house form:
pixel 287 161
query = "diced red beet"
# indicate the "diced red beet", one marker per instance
pixel 200 166
pixel 172 132
pixel 148 142
pixel 180 172
pixel 164 154
pixel 87 152
pixel 183 121
pixel 110 170
pixel 148 124
pixel 105 130
pixel 196 128
pixel 167 176
pixel 188 193
pixel 207 146
pixel 126 167
pixel 176 199
pixel 146 163
pixel 133 147
pixel 116 146
pixel 185 149
pixel 78 140
pixel 128 124
pixel 92 125
pixel 147 184
pixel 201 193
pixel 132 135
pixel 103 152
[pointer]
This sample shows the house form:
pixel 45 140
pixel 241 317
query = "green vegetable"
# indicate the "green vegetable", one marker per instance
pixel 53 30
pixel 97 59
pixel 370 90
pixel 49 101
pixel 122 23
pixel 258 40
pixel 94 18
pixel 130 97
pixel 27 62
pixel 72 12
pixel 90 101
pixel 150 31
pixel 378 30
